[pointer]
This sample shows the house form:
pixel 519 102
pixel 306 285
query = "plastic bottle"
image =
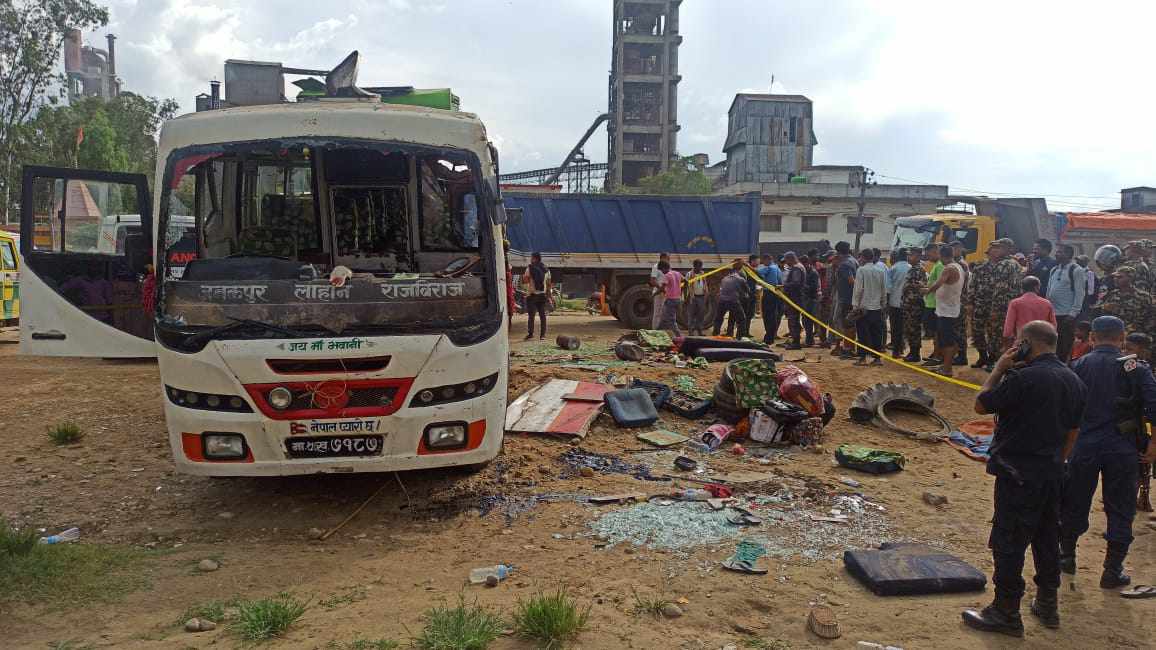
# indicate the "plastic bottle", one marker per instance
pixel 480 575
pixel 70 535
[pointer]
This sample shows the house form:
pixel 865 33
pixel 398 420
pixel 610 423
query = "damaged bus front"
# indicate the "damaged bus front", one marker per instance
pixel 337 305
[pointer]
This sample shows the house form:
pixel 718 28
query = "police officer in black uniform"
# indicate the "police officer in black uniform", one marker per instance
pixel 1039 403
pixel 1121 390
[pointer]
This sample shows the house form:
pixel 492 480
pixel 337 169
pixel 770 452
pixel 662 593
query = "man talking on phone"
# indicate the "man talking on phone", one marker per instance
pixel 1038 402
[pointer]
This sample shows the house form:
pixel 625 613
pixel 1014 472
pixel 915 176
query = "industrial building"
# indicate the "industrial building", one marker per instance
pixel 769 149
pixel 90 71
pixel 643 125
pixel 1138 199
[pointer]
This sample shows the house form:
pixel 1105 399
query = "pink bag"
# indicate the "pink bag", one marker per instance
pixel 795 386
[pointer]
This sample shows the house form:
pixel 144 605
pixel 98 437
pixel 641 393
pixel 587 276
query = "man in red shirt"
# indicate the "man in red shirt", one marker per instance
pixel 1028 307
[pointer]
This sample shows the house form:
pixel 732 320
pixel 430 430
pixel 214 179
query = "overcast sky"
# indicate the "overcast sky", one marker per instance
pixel 1019 97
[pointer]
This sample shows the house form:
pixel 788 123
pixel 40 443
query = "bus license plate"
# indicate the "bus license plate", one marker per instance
pixel 334 446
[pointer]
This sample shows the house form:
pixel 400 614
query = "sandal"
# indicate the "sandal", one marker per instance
pixel 823 623
pixel 748 558
pixel 1140 591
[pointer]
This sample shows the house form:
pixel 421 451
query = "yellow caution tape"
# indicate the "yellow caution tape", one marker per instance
pixel 934 375
pixel 686 282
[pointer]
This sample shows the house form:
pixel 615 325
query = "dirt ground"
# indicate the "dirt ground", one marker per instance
pixel 415 543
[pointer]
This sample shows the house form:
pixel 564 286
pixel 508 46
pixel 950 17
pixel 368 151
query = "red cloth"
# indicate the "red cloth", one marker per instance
pixel 1080 348
pixel 1025 309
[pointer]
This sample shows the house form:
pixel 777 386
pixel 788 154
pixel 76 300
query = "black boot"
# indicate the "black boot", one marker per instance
pixel 1114 575
pixel 981 361
pixel 1068 556
pixel 1002 615
pixel 1045 606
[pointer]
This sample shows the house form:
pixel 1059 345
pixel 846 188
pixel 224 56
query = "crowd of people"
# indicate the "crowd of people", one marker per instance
pixel 893 305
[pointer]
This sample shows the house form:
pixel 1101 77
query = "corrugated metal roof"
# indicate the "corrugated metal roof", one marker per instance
pixel 1110 221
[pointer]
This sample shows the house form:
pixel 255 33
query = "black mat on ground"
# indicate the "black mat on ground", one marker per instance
pixel 910 569
pixel 691 345
pixel 730 354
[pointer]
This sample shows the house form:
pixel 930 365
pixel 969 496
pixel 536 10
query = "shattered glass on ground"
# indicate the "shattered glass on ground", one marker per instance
pixel 789 530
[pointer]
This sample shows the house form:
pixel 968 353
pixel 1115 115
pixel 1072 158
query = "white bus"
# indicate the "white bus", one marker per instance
pixel 267 366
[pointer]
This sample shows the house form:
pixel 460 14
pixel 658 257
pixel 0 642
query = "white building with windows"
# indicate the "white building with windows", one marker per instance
pixel 821 203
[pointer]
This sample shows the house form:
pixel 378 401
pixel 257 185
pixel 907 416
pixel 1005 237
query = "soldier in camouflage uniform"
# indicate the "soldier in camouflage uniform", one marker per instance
pixel 826 303
pixel 979 298
pixel 912 303
pixel 1004 278
pixel 1127 302
pixel 1134 254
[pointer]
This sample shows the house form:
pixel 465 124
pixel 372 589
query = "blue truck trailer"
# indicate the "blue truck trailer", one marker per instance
pixel 609 242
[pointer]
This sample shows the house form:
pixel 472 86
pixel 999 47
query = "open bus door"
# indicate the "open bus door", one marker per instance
pixel 78 300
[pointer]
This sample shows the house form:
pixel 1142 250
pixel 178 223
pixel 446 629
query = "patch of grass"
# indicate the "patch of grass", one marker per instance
pixel 650 605
pixel 213 610
pixel 64 575
pixel 14 541
pixel 363 644
pixel 266 618
pixel 462 627
pixel 65 433
pixel 343 596
pixel 552 619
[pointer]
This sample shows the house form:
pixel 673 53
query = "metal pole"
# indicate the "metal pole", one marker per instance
pixel 862 204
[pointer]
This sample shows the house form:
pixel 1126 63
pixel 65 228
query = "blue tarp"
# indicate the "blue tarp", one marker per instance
pixel 593 223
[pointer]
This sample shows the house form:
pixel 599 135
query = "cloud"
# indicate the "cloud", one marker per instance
pixel 1008 96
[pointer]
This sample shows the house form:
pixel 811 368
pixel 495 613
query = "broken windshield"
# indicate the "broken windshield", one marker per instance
pixel 354 237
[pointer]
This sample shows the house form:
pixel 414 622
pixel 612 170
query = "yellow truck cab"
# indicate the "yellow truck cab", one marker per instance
pixel 976 232
pixel 9 278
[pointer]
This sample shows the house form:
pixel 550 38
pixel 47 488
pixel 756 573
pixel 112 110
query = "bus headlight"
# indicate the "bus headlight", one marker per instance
pixel 445 436
pixel 454 392
pixel 221 446
pixel 280 398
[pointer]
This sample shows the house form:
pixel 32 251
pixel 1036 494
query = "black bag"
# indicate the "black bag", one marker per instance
pixel 784 412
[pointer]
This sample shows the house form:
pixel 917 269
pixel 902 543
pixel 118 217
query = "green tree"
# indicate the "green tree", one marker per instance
pixel 31 36
pixel 680 178
pixel 118 135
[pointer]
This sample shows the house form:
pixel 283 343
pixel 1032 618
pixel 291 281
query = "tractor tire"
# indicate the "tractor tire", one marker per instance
pixel 636 307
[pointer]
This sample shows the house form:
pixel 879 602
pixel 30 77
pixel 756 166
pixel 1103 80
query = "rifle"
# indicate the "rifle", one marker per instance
pixel 1144 493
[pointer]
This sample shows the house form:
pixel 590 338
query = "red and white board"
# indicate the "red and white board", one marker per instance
pixel 560 407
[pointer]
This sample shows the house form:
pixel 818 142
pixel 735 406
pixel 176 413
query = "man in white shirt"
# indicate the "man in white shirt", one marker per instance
pixel 657 290
pixel 869 297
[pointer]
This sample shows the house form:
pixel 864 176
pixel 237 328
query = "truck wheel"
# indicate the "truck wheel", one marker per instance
pixel 636 307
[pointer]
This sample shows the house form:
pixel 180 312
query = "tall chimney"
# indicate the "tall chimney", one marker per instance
pixel 214 94
pixel 111 55
pixel 72 50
